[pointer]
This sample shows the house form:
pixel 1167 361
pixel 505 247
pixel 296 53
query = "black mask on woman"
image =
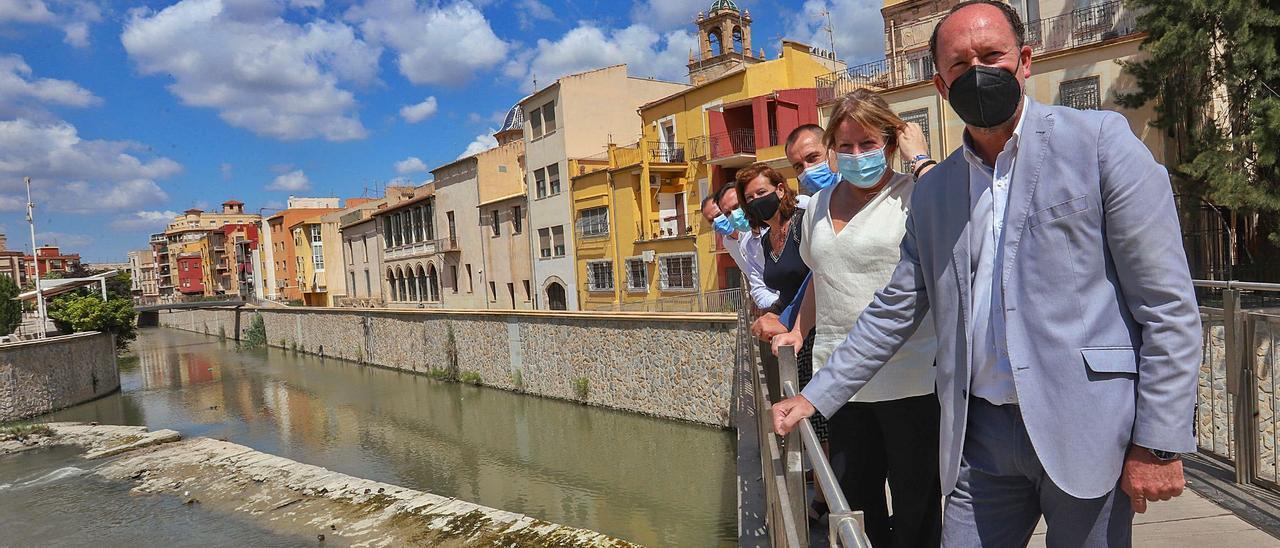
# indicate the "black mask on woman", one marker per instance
pixel 765 207
pixel 985 97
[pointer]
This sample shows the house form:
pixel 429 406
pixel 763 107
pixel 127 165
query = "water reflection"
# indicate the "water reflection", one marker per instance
pixel 647 480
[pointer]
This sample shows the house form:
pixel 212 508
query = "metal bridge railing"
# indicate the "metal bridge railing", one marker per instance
pixel 781 459
pixel 1237 396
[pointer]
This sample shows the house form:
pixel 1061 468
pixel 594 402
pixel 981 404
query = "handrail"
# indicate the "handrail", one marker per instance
pixel 1243 286
pixel 843 524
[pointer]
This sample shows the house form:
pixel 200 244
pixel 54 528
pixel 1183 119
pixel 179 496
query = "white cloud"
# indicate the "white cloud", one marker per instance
pixel 257 68
pixel 25 11
pixel 482 142
pixel 292 181
pixel 858 28
pixel 22 95
pixel 13 203
pixel 226 169
pixel 72 16
pixel 667 14
pixel 646 52
pixel 143 220
pixel 68 242
pixel 409 165
pixel 69 173
pixel 434 44
pixel 418 112
pixel 532 11
pixel 86 197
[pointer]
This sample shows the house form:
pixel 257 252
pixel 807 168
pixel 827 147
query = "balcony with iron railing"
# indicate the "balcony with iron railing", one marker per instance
pixel 733 148
pixel 666 152
pixel 1083 27
pixel 669 227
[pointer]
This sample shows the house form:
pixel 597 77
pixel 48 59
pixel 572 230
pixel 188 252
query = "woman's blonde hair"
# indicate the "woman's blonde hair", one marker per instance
pixel 869 110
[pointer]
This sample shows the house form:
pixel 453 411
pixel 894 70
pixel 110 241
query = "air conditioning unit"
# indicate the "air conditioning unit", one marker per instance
pixel 649 255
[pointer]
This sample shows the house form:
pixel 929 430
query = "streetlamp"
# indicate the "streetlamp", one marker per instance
pixel 35 259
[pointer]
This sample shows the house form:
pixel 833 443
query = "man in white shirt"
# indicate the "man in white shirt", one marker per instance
pixel 743 246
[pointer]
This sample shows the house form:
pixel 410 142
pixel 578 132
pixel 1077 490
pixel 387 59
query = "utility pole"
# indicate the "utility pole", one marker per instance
pixel 35 259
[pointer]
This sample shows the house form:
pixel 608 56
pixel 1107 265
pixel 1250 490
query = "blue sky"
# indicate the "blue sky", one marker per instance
pixel 124 113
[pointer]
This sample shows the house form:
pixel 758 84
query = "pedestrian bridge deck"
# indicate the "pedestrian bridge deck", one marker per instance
pixel 1189 520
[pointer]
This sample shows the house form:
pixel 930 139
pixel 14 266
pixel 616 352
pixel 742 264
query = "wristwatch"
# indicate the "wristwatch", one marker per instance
pixel 1164 455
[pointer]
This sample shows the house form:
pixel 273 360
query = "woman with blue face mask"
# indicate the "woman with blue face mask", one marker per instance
pixel 852 231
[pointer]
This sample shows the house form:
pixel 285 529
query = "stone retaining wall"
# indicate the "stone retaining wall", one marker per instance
pixel 45 375
pixel 670 366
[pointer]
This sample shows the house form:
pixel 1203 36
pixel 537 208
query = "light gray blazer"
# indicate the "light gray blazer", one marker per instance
pixel 1103 329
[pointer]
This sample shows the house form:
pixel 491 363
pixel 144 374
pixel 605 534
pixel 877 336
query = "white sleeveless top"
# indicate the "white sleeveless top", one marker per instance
pixel 848 268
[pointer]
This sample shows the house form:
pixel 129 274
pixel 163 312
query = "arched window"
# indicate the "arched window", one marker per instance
pixel 418 289
pixel 737 40
pixel 433 284
pixel 717 46
pixel 400 284
pixel 391 283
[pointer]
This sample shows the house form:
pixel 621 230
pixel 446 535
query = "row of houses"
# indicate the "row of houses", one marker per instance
pixel 50 260
pixel 591 200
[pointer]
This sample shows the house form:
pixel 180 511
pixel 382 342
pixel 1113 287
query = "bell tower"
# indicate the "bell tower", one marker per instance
pixel 724 41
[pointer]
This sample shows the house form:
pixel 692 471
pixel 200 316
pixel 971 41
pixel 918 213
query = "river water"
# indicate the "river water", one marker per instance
pixel 646 480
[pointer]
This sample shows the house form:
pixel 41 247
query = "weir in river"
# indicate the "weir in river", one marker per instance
pixel 647 480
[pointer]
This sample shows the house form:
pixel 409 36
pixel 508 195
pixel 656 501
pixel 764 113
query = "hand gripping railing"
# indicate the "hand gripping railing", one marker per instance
pixel 844 526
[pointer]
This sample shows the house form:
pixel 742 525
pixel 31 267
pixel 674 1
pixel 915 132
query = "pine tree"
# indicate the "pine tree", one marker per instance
pixel 1212 70
pixel 10 309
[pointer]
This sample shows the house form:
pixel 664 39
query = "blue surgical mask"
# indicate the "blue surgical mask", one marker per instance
pixel 862 170
pixel 722 225
pixel 739 220
pixel 818 177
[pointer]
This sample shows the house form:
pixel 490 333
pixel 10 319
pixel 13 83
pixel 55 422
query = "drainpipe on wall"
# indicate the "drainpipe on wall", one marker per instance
pixel 618 289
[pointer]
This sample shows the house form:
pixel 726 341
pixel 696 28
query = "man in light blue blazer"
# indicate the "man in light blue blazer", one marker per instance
pixel 1049 253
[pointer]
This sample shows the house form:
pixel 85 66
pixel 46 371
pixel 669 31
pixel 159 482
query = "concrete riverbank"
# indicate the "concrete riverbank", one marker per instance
pixel 44 375
pixel 666 365
pixel 295 498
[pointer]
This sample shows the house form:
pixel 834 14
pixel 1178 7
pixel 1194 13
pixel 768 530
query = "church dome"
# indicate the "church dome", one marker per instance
pixel 723 5
pixel 514 120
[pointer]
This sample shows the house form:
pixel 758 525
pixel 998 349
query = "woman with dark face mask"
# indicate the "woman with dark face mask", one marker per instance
pixel 769 202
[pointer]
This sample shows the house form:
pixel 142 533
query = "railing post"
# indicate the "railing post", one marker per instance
pixel 793 453
pixel 1239 374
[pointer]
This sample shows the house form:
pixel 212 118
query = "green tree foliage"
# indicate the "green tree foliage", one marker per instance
pixel 1212 71
pixel 256 335
pixel 10 310
pixel 77 313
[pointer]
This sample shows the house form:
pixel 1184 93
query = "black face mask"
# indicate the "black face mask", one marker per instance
pixel 985 97
pixel 765 207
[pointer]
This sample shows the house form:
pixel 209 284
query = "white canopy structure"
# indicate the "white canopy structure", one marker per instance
pixel 53 288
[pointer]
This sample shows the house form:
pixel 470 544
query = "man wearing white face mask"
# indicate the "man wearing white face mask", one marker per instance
pixel 855 222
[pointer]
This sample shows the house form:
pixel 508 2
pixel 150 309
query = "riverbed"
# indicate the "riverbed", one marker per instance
pixel 647 480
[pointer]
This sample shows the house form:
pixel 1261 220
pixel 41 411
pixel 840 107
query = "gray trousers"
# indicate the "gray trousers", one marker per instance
pixel 1003 491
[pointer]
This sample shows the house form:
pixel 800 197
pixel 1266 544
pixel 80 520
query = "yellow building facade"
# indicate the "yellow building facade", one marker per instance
pixel 640 240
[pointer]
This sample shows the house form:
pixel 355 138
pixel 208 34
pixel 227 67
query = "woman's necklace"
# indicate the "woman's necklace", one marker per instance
pixel 779 240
